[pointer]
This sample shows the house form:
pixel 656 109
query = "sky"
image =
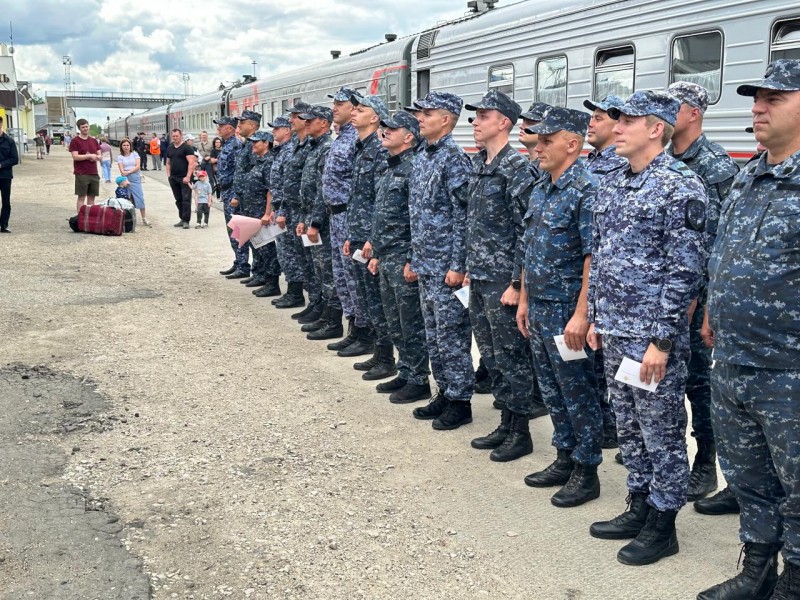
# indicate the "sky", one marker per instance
pixel 147 46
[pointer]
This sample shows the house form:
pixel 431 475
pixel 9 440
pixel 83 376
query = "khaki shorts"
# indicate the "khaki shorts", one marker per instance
pixel 87 185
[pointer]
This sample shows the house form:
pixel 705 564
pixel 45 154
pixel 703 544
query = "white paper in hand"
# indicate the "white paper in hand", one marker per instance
pixel 629 373
pixel 463 295
pixel 266 235
pixel 565 352
pixel 308 242
pixel 359 257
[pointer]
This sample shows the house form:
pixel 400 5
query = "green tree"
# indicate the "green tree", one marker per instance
pixel 95 129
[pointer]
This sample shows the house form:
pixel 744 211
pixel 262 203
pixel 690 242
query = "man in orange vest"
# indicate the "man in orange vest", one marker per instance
pixel 155 151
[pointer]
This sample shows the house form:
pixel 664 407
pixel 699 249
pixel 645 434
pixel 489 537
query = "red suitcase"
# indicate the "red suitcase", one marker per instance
pixel 105 220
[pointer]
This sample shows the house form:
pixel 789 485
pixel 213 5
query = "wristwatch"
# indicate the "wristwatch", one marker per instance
pixel 663 344
pixel 516 284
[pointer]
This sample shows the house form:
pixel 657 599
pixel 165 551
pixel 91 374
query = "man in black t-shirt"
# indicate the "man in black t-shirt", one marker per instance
pixel 181 161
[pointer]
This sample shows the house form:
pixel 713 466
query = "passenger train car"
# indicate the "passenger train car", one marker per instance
pixel 558 51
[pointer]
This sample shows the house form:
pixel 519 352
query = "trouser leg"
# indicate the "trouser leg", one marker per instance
pixel 370 289
pixel 5 199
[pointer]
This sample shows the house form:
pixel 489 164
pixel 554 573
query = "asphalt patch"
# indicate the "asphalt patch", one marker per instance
pixel 56 541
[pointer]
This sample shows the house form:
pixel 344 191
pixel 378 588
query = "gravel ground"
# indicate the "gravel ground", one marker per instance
pixel 240 460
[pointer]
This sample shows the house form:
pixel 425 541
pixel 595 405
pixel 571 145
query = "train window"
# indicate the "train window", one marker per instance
pixel 274 110
pixel 551 80
pixel 284 105
pixel 501 78
pixel 392 95
pixel 785 40
pixel 613 72
pixel 423 83
pixel 265 116
pixel 697 58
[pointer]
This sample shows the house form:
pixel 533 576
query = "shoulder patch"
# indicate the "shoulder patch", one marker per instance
pixel 681 168
pixel 696 215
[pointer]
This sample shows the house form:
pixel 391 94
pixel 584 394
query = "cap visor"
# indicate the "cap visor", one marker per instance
pixel 591 105
pixel 543 129
pixel 531 116
pixel 474 107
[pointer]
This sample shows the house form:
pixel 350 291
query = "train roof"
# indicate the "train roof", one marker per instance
pixel 215 96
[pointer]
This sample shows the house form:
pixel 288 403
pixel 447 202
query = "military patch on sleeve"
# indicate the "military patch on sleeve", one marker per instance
pixel 681 168
pixel 696 215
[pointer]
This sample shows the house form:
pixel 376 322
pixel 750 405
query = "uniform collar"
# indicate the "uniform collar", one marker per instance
pixel 693 150
pixel 567 177
pixel 637 180
pixel 490 168
pixel 431 148
pixel 785 170
pixel 399 158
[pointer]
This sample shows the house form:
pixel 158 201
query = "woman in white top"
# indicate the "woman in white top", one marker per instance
pixel 129 164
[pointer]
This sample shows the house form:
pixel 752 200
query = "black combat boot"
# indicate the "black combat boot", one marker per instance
pixel 366 365
pixel 318 323
pixel 703 479
pixel 788 586
pixel 583 486
pixel 518 442
pixel 255 282
pixel 363 344
pixel 494 439
pixel 332 327
pixel 385 366
pixel 434 409
pixel 456 414
pixel 723 502
pixel 311 306
pixel 271 288
pixel 313 315
pixel 387 387
pixel 248 280
pixel 348 339
pixel 618 458
pixel 609 437
pixel 411 392
pixel 757 579
pixel 539 409
pixel 293 296
pixel 556 473
pixel 483 383
pixel 628 524
pixel 657 539
pixel 228 271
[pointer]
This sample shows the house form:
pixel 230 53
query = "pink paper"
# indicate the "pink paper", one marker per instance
pixel 243 228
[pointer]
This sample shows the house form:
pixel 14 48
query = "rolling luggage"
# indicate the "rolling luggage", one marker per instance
pixel 103 220
pixel 127 207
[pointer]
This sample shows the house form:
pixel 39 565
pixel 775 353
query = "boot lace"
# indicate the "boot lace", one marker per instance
pixel 788 583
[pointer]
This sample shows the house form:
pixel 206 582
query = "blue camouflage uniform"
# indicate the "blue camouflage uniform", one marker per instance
pixel 437 203
pixel 599 164
pixel 391 246
pixel 280 154
pixel 649 253
pixel 296 261
pixel 313 209
pixel 558 238
pixel 498 195
pixel 226 169
pixel 717 169
pixel 252 195
pixel 244 163
pixel 369 164
pixel 754 284
pixel 336 182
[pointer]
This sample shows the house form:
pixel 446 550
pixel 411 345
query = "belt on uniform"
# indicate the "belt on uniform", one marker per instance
pixel 336 209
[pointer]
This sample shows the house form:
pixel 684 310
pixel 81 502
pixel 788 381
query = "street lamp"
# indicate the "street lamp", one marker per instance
pixel 67 62
pixel 185 84
pixel 254 69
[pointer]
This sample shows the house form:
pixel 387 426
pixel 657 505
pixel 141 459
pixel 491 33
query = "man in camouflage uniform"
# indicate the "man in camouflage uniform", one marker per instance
pixel 649 252
pixel 754 284
pixel 281 133
pixel 247 125
pixel 602 160
pixel 316 225
pixel 226 169
pixel 296 263
pixel 336 183
pixel 437 207
pixel 531 117
pixel 251 199
pixel 391 256
pixel 558 249
pixel 711 162
pixel 370 162
pixel 498 195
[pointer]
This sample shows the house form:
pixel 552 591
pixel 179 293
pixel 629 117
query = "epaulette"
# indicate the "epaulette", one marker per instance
pixel 681 168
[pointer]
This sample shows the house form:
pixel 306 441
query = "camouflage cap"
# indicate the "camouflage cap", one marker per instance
pixel 562 119
pixel 300 107
pixel 502 103
pixel 250 115
pixel 535 111
pixel 317 112
pixel 412 108
pixel 691 94
pixel 344 94
pixel 782 75
pixel 402 120
pixel 443 100
pixel 605 103
pixel 262 136
pixel 280 121
pixel 375 103
pixel 647 102
pixel 226 121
